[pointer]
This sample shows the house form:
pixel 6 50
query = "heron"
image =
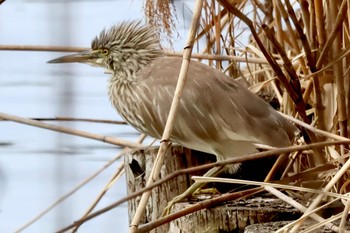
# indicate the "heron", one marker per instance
pixel 216 115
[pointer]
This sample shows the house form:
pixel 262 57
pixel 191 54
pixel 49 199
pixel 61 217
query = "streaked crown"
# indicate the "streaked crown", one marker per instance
pixel 127 46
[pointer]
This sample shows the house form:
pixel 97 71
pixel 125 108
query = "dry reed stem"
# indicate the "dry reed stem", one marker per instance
pixel 309 173
pixel 281 160
pixel 336 27
pixel 296 205
pixel 339 79
pixel 207 27
pixel 247 60
pixel 345 215
pixel 38 48
pixel 320 23
pixel 318 199
pixel 291 33
pixel 313 129
pixel 41 48
pixel 294 94
pixel 76 188
pixel 171 117
pixel 285 228
pixel 67 195
pixel 270 188
pixel 119 172
pixel 294 79
pixel 320 224
pixel 61 129
pixel 205 179
pixel 278 21
pixel 197 207
pixel 287 64
pixel 64 118
pixel 109 184
pixel 331 63
pixel 299 30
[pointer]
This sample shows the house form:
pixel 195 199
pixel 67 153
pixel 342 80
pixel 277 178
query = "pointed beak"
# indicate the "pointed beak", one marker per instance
pixel 89 57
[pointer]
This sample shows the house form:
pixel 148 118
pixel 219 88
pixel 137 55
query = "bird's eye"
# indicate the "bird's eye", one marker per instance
pixel 105 52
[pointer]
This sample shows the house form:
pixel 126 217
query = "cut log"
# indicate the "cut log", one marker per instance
pixel 274 226
pixel 234 216
pixel 138 165
pixel 230 217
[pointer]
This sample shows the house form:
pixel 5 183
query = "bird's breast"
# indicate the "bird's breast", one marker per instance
pixel 130 104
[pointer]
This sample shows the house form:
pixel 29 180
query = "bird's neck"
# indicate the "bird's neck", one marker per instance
pixel 122 86
pixel 121 91
pixel 122 81
pixel 127 68
pixel 126 75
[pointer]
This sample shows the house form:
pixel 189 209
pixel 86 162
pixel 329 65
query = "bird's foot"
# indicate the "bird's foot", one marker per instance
pixel 175 200
pixel 192 189
pixel 206 191
pixel 199 194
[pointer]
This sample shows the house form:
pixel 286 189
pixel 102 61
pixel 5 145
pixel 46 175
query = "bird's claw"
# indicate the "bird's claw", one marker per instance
pixel 206 191
pixel 170 204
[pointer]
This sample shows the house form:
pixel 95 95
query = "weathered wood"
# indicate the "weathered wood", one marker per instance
pixel 274 226
pixel 138 165
pixel 233 217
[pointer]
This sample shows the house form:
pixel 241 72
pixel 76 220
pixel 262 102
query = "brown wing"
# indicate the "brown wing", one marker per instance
pixel 214 109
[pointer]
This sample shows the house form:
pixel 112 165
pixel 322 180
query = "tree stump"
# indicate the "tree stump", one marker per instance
pixel 229 217
pixel 234 216
pixel 274 226
pixel 138 165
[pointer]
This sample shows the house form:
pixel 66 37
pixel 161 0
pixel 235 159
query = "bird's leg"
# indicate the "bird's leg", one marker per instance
pixel 212 172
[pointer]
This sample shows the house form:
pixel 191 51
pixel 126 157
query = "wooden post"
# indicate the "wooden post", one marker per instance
pixel 229 217
pixel 138 164
pixel 233 216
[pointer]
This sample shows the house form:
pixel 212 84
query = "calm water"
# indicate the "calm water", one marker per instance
pixel 38 166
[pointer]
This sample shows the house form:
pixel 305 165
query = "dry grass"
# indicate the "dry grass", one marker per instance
pixel 161 13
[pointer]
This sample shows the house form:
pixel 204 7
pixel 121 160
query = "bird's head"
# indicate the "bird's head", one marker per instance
pixel 126 47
